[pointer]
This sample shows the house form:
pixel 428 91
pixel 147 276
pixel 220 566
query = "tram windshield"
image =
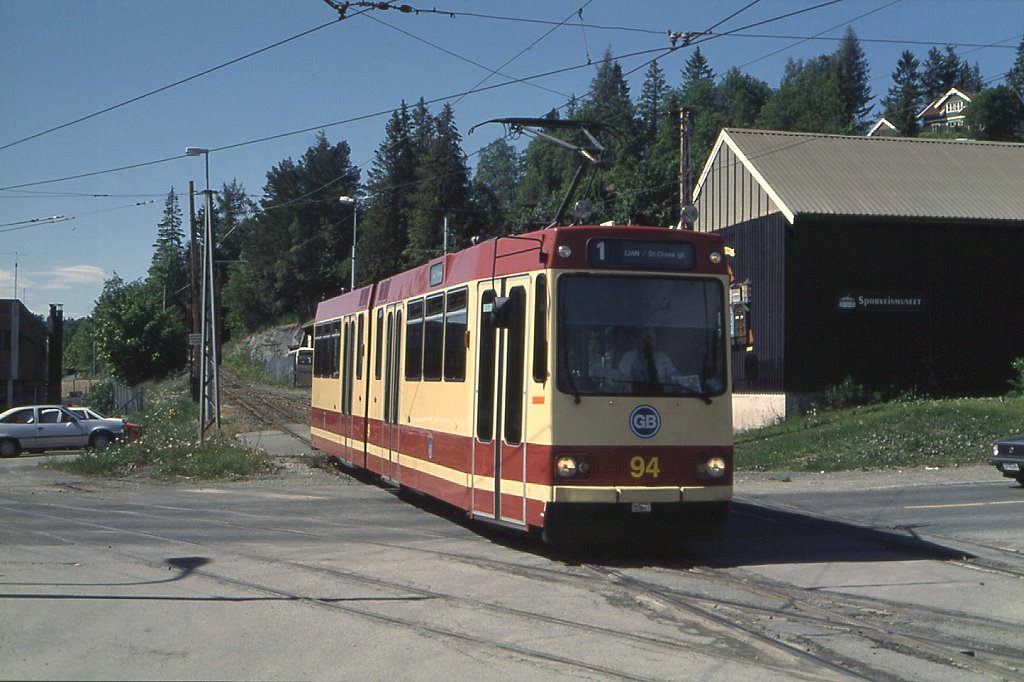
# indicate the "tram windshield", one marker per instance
pixel 640 335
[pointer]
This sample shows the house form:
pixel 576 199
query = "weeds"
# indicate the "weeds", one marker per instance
pixel 169 447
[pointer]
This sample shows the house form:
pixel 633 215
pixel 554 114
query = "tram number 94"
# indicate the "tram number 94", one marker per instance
pixel 639 467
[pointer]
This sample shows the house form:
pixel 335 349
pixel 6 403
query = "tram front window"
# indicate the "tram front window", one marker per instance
pixel 640 335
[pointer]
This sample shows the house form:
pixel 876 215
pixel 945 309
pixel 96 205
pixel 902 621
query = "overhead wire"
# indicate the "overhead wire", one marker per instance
pixel 179 82
pixel 844 23
pixel 659 52
pixel 458 56
pixel 36 222
pixel 323 126
pixel 525 50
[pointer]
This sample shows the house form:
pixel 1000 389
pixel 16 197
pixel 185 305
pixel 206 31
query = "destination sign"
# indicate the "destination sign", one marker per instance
pixel 636 254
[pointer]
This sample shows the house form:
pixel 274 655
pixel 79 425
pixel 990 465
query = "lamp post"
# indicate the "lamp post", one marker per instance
pixel 209 387
pixel 355 224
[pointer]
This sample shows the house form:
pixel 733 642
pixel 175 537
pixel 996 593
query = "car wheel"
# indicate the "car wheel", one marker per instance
pixel 1020 479
pixel 100 440
pixel 9 448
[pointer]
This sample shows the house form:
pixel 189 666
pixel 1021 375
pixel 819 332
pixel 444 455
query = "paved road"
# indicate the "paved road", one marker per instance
pixel 313 575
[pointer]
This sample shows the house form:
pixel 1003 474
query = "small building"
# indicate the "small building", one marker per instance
pixel 883 128
pixel 947 113
pixel 893 261
pixel 23 365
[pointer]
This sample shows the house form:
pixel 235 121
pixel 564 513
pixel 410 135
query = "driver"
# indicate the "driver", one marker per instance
pixel 647 368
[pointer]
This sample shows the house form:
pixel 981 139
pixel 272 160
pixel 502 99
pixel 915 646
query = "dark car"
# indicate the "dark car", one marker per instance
pixel 1008 457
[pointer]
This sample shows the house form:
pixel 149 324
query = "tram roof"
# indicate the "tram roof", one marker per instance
pixel 501 257
pixel 838 175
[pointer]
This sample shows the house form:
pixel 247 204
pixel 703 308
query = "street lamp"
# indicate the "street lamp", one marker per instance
pixel 355 223
pixel 209 388
pixel 199 151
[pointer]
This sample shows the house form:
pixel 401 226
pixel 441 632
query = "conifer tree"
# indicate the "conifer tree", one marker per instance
pixel 652 97
pixel 384 228
pixel 609 190
pixel 297 252
pixel 494 189
pixel 442 189
pixel 903 102
pixel 1015 76
pixel 698 83
pixel 232 208
pixel 945 70
pixel 853 79
pixel 168 269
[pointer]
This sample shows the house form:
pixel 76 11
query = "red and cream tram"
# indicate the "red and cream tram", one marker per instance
pixel 573 380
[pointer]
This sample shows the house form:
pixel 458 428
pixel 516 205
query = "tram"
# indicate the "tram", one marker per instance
pixel 572 382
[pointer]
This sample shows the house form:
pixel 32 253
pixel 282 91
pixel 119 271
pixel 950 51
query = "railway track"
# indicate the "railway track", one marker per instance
pixel 788 629
pixel 730 614
pixel 266 406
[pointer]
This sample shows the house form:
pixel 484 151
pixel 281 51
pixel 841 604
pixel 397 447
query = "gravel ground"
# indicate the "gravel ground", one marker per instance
pixel 798 481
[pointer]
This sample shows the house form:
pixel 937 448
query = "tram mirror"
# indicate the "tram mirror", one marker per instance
pixel 501 312
pixel 751 366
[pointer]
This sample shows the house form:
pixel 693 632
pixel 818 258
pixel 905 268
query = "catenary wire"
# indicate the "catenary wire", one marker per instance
pixel 309 129
pixel 176 83
pixel 458 56
pixel 525 50
pixel 820 33
pixel 660 51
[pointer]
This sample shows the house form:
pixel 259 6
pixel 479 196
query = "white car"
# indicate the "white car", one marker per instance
pixel 36 428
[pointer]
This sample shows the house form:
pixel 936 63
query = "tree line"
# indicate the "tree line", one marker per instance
pixel 278 256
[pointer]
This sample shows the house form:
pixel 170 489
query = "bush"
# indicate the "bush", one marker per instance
pixel 101 396
pixel 847 393
pixel 1017 383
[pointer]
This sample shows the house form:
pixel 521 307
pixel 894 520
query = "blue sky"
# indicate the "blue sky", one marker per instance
pixel 63 60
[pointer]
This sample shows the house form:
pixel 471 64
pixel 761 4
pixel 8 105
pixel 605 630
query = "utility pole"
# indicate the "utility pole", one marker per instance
pixel 193 266
pixel 687 211
pixel 209 375
pixel 209 389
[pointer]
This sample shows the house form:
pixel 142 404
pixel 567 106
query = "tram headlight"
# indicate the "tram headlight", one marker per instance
pixel 569 466
pixel 715 257
pixel 564 251
pixel 713 466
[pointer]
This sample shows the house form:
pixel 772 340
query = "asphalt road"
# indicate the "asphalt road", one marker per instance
pixel 315 575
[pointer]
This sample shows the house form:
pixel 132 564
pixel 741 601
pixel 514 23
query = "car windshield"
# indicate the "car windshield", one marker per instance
pixel 640 335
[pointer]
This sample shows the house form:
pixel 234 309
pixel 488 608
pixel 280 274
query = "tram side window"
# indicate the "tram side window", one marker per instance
pixel 433 338
pixel 318 350
pixel 390 368
pixel 516 364
pixel 346 375
pixel 359 349
pixel 379 342
pixel 485 370
pixel 455 335
pixel 334 350
pixel 414 341
pixel 540 330
pixel 326 350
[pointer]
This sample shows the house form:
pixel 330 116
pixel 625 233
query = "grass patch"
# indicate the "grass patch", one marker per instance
pixel 169 447
pixel 919 432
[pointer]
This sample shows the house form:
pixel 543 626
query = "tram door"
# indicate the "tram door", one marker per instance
pixel 390 434
pixel 499 466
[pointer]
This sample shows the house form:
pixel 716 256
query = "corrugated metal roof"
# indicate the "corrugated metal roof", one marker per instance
pixel 883 176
